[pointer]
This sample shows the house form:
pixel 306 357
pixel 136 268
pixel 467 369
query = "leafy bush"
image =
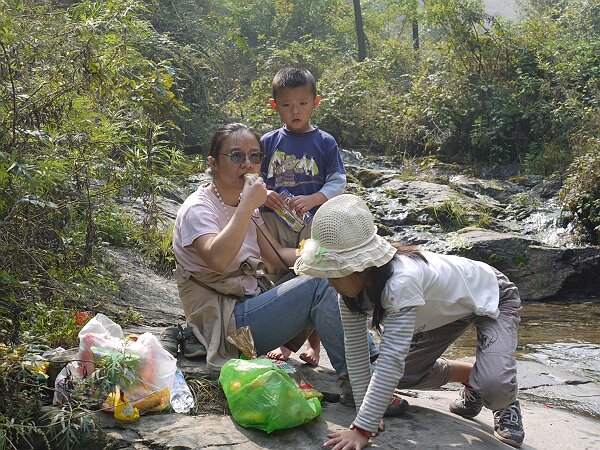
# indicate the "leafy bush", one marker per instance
pixel 362 103
pixel 581 192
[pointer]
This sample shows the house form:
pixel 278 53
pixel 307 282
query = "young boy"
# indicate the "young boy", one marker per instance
pixel 303 160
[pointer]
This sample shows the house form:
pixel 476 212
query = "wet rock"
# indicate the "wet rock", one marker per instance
pixel 498 190
pixel 547 188
pixel 540 272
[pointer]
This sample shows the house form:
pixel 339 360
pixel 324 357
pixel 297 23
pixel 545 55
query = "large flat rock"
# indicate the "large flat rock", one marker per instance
pixel 426 425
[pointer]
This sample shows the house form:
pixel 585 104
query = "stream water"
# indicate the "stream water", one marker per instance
pixel 563 335
pixel 560 334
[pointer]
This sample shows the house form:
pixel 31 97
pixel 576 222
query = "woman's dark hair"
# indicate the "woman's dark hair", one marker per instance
pixel 379 277
pixel 225 131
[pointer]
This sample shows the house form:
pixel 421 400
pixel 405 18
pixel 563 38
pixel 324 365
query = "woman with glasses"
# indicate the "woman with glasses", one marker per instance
pixel 221 244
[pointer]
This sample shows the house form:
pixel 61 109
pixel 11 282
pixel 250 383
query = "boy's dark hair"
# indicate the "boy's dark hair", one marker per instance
pixel 291 77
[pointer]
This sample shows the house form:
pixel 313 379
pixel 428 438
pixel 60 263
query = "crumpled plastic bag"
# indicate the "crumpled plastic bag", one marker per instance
pixel 261 395
pixel 150 369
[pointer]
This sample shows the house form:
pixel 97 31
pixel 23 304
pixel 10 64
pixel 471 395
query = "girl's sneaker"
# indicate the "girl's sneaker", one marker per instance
pixel 508 425
pixel 469 403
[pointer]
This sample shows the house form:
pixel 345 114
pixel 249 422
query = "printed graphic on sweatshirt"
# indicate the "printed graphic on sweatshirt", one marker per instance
pixel 288 170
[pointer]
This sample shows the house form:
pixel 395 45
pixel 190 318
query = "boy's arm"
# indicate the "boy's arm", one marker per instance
pixel 334 170
pixel 304 203
pixel 335 184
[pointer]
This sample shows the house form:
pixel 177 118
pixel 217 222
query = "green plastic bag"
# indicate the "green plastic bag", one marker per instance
pixel 263 396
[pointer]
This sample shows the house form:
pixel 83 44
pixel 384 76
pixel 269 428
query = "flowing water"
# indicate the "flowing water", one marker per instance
pixel 562 335
pixel 559 334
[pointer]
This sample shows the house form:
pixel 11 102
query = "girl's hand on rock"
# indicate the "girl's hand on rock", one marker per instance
pixel 347 440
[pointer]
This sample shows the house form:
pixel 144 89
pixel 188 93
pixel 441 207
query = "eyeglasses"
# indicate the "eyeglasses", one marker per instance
pixel 240 157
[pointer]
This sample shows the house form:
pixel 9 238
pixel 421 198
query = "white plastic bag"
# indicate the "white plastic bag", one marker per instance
pixel 154 366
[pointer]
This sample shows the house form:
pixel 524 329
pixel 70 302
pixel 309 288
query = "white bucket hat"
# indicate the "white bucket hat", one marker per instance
pixel 343 240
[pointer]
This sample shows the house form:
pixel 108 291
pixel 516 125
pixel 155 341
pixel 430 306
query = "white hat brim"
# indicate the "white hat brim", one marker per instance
pixel 337 264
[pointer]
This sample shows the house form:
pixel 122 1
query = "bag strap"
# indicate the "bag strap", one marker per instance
pixel 273 247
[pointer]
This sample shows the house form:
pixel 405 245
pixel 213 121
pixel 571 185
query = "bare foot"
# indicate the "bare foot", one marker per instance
pixel 280 354
pixel 310 357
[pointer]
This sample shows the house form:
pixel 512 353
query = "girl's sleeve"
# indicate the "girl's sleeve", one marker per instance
pixel 395 343
pixel 356 344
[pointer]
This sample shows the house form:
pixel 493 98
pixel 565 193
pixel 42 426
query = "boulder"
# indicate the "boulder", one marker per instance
pixel 540 272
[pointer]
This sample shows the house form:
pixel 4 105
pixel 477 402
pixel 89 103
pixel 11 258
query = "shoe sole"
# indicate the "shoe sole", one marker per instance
pixel 466 416
pixel 508 441
pixel 195 354
pixel 396 410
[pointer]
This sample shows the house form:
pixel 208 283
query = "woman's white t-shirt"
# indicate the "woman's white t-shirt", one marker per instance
pixel 203 213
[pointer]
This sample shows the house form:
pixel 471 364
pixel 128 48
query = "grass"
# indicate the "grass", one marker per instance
pixel 208 397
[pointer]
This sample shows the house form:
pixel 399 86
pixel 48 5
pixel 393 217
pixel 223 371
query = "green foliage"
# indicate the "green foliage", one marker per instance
pixel 85 112
pixel 362 104
pixel 69 428
pixel 581 192
pixel 158 249
pixel 23 393
pixel 451 214
pixel 57 324
pixel 524 200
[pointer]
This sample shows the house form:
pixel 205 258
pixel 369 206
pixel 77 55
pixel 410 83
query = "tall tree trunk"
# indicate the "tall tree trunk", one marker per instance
pixel 360 33
pixel 415 34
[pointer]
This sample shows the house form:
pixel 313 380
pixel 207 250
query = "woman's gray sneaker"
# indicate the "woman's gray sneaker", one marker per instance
pixel 190 345
pixel 169 339
pixel 508 425
pixel 469 403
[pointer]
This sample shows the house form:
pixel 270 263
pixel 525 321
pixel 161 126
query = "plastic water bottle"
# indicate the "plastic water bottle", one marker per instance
pixel 181 396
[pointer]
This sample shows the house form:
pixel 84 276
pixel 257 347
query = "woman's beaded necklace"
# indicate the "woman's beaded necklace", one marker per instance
pixel 214 186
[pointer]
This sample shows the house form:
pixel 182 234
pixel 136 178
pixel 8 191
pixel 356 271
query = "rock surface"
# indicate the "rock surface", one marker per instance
pixel 426 425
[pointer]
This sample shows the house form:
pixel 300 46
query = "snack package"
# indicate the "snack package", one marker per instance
pixel 289 216
pixel 242 339
pixel 252 177
pixel 122 406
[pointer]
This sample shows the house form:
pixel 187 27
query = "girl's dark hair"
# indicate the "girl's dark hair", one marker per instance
pixel 225 131
pixel 379 277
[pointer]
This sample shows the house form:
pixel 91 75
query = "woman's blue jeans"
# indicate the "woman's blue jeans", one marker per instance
pixel 276 316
